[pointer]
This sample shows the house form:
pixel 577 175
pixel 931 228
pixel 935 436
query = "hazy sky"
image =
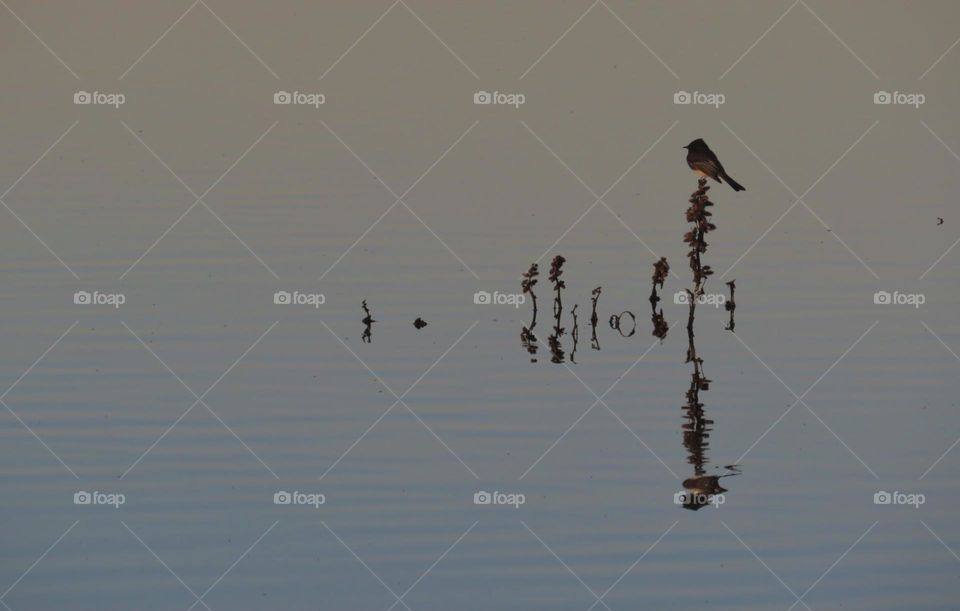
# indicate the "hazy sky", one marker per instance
pixel 599 98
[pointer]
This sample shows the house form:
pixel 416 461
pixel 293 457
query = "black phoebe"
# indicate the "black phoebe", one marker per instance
pixel 703 162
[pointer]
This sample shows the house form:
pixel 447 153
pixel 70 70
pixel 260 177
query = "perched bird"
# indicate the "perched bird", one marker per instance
pixel 704 163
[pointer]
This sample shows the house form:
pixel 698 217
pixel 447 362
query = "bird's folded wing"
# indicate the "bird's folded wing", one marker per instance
pixel 708 167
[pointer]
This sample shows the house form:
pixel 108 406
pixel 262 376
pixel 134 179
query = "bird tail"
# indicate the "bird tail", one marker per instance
pixel 736 186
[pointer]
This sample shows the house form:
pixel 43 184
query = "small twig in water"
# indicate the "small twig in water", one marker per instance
pixel 368 321
pixel 616 320
pixel 556 270
pixel 661 270
pixel 731 305
pixel 594 298
pixel 529 281
pixel 575 333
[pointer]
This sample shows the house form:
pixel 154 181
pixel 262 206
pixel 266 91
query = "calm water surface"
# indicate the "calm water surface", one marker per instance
pixel 294 407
